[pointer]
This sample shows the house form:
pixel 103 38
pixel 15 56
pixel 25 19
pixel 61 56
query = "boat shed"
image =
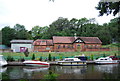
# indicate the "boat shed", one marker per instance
pixel 22 45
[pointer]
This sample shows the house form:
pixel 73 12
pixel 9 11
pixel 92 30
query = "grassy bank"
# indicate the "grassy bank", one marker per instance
pixel 113 47
pixel 59 55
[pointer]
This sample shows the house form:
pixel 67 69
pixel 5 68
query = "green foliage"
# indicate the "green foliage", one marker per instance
pixel 108 32
pixel 21 59
pixel 49 57
pixel 7 35
pixel 33 57
pixel 92 57
pixel 40 59
pixel 108 7
pixel 21 32
pixel 10 58
pixel 54 58
pixel 51 76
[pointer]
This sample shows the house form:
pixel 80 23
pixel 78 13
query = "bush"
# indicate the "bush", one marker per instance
pixel 49 58
pixel 53 58
pixel 9 58
pixel 40 59
pixel 33 57
pixel 22 60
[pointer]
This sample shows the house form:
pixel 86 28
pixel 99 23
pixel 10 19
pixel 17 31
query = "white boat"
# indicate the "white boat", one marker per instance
pixel 107 60
pixel 71 62
pixel 3 62
pixel 36 63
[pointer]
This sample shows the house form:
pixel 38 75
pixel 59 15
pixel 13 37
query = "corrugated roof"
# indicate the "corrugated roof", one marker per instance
pixel 43 42
pixel 15 41
pixel 59 39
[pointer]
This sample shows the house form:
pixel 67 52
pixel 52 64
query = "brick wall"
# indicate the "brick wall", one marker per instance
pixel 43 48
pixel 97 49
pixel 63 48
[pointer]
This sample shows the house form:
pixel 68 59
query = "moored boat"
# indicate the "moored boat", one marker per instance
pixel 3 62
pixel 107 60
pixel 35 63
pixel 71 62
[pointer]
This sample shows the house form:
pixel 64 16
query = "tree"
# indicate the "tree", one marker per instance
pixel 33 57
pixel 21 32
pixel 114 30
pixel 7 35
pixel 39 32
pixel 108 7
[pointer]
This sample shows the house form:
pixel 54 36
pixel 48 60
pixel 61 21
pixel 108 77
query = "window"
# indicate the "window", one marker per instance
pixel 78 40
pixel 86 46
pixel 68 46
pixel 78 44
pixel 63 46
pixel 47 48
pixel 58 46
pixel 42 41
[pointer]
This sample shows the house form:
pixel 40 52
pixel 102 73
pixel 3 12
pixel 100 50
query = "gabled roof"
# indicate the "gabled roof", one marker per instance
pixel 43 42
pixel 59 39
pixel 91 40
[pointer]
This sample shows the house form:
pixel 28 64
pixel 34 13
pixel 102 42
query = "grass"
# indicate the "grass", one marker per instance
pixel 114 51
pixel 59 54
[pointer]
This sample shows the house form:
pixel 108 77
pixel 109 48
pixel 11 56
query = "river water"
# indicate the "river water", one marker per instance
pixel 62 72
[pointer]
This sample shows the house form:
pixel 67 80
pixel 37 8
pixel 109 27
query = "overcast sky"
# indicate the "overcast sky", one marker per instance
pixel 43 12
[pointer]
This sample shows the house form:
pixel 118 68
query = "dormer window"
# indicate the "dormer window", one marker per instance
pixel 77 41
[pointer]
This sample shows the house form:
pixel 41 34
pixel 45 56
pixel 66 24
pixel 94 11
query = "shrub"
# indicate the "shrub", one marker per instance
pixel 9 58
pixel 49 57
pixel 40 59
pixel 33 57
pixel 53 58
pixel 22 60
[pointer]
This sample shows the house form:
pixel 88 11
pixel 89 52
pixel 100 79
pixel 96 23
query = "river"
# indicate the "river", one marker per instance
pixel 61 72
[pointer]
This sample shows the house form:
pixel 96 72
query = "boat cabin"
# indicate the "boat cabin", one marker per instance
pixel 71 59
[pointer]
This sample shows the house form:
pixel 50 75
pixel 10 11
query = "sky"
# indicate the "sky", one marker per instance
pixel 43 12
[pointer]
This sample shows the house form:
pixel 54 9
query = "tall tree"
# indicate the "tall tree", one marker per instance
pixel 21 32
pixel 113 29
pixel 39 32
pixel 7 35
pixel 107 7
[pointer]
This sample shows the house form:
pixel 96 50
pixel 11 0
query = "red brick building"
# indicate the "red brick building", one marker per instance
pixel 68 44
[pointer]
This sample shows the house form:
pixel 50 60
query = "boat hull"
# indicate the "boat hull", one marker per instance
pixel 72 63
pixel 107 62
pixel 36 63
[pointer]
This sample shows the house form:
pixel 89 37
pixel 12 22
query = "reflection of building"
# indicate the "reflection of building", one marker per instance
pixel 21 45
pixel 68 44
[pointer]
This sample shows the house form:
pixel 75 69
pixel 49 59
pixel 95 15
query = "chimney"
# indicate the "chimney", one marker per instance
pixel 75 36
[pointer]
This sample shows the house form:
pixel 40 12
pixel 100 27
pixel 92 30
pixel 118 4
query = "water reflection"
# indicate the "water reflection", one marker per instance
pixel 72 69
pixel 106 68
pixel 3 69
pixel 64 72
pixel 34 69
